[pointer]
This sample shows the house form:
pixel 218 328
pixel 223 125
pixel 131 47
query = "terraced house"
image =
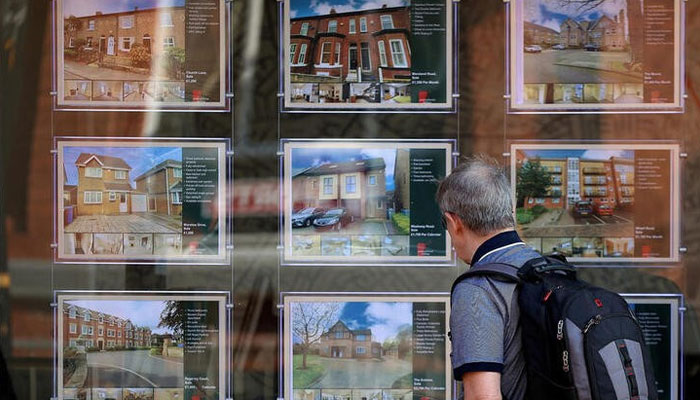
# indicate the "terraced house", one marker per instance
pixel 90 328
pixel 357 46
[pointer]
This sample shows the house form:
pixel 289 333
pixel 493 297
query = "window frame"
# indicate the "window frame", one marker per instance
pixel 93 172
pixel 91 25
pixel 363 24
pixel 89 193
pixel 352 184
pixel 168 41
pixel 165 17
pixel 383 60
pixel 334 24
pixel 304 30
pixel 292 50
pixel 123 19
pixel 323 53
pixel 302 54
pixel 352 26
pixel 382 21
pixel 336 60
pixel 394 54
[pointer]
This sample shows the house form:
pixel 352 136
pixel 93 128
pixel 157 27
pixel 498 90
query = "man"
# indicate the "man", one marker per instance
pixel 476 203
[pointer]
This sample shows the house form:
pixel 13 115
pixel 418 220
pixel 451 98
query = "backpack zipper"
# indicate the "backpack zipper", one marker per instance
pixel 593 321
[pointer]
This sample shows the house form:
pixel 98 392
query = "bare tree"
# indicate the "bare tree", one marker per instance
pixel 310 321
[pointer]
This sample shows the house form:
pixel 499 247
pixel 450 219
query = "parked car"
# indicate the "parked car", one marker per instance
pixel 335 218
pixel 602 209
pixel 582 209
pixel 559 47
pixel 306 217
pixel 533 49
pixel 592 47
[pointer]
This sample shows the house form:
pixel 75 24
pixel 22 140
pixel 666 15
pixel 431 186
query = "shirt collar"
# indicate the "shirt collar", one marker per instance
pixel 495 243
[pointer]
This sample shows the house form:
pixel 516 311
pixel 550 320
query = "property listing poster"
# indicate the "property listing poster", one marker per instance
pixel 659 320
pixel 598 203
pixel 611 55
pixel 141 54
pixel 141 200
pixel 166 347
pixel 349 54
pixel 366 347
pixel 364 202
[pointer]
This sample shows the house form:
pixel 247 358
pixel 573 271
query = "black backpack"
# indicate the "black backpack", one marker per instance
pixel 580 342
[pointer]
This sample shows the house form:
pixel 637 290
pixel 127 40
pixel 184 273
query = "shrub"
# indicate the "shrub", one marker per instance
pixel 92 349
pixel 402 223
pixel 538 210
pixel 140 57
pixel 155 351
pixel 70 53
pixel 174 61
pixel 523 216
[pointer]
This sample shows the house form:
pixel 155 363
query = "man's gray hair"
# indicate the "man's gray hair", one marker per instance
pixel 479 193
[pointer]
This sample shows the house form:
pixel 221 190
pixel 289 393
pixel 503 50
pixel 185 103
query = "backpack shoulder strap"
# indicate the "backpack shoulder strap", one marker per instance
pixel 501 270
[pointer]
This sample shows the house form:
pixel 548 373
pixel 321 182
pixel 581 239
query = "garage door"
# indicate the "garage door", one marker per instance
pixel 138 203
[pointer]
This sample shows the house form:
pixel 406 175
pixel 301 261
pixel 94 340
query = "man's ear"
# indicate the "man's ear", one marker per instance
pixel 455 222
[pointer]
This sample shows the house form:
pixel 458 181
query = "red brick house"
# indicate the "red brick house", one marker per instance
pixel 342 342
pixel 89 328
pixel 357 46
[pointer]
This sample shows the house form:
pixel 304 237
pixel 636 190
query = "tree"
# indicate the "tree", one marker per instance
pixel 173 316
pixel 72 24
pixel 532 180
pixel 635 25
pixel 310 321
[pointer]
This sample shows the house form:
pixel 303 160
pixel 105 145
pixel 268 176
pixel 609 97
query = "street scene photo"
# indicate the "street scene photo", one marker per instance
pixel 577 202
pixel 344 348
pixel 134 348
pixel 136 53
pixel 589 51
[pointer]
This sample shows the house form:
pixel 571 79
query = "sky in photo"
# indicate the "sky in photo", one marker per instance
pixel 582 154
pixel 82 8
pixel 304 158
pixel 140 159
pixel 307 8
pixel 142 313
pixel 552 13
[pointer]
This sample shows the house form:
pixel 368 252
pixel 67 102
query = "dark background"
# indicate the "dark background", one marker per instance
pixel 28 276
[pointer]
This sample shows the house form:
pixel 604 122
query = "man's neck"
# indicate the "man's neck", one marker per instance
pixel 493 241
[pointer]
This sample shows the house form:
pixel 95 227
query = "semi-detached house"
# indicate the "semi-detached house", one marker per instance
pixel 163 183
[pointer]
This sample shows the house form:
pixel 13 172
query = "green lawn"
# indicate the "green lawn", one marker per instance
pixel 305 377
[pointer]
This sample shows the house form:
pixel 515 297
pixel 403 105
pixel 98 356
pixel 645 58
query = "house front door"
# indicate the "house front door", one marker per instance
pixel 100 344
pixel 103 45
pixel 147 42
pixel 353 57
pixel 110 46
pixel 122 203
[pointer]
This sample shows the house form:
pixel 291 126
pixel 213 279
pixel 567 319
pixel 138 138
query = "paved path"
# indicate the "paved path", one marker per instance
pixel 340 373
pixel 568 226
pixel 77 70
pixel 127 223
pixel 577 66
pixel 135 368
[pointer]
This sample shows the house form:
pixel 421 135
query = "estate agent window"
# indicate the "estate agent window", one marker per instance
pixel 126 22
pixel 332 26
pixel 363 24
pixel 387 22
pixel 397 53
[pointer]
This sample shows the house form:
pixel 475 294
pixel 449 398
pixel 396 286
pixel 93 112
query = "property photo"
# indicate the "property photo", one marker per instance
pixel 346 202
pixel 572 201
pixel 340 348
pixel 132 345
pixel 122 201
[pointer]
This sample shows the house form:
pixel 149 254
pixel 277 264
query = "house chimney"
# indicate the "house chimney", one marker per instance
pixel 384 5
pixel 332 11
pixel 98 13
pixel 136 8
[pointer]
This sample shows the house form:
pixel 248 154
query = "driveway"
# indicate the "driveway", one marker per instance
pixel 343 373
pixel 366 227
pixel 135 368
pixel 578 66
pixel 550 224
pixel 126 223
pixel 76 70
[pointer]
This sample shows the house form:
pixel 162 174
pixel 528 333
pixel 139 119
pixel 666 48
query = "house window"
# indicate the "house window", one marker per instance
pixel 86 317
pixel 304 31
pixel 337 53
pixel 539 200
pixel 110 332
pixel 168 41
pixel 361 338
pixel 92 198
pixel 292 50
pixel 556 201
pixel 91 25
pixel 86 330
pixel 72 328
pixel 326 53
pixel 366 61
pixel 112 196
pixel 100 331
pixel 350 184
pixel 327 185
pixel 177 172
pixel 363 24
pixel 176 197
pixel 302 54
pixel 119 333
pixel 70 43
pixel 119 174
pixel 125 43
pixel 93 172
pixel 166 19
pixel 397 54
pixel 73 343
pixel 71 313
pixel 332 26
pixel 126 21
pixel 339 335
pixel 88 44
pixel 387 22
pixel 382 54
pixel 352 29
pixel 530 200
pixel 372 180
pixel 360 350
